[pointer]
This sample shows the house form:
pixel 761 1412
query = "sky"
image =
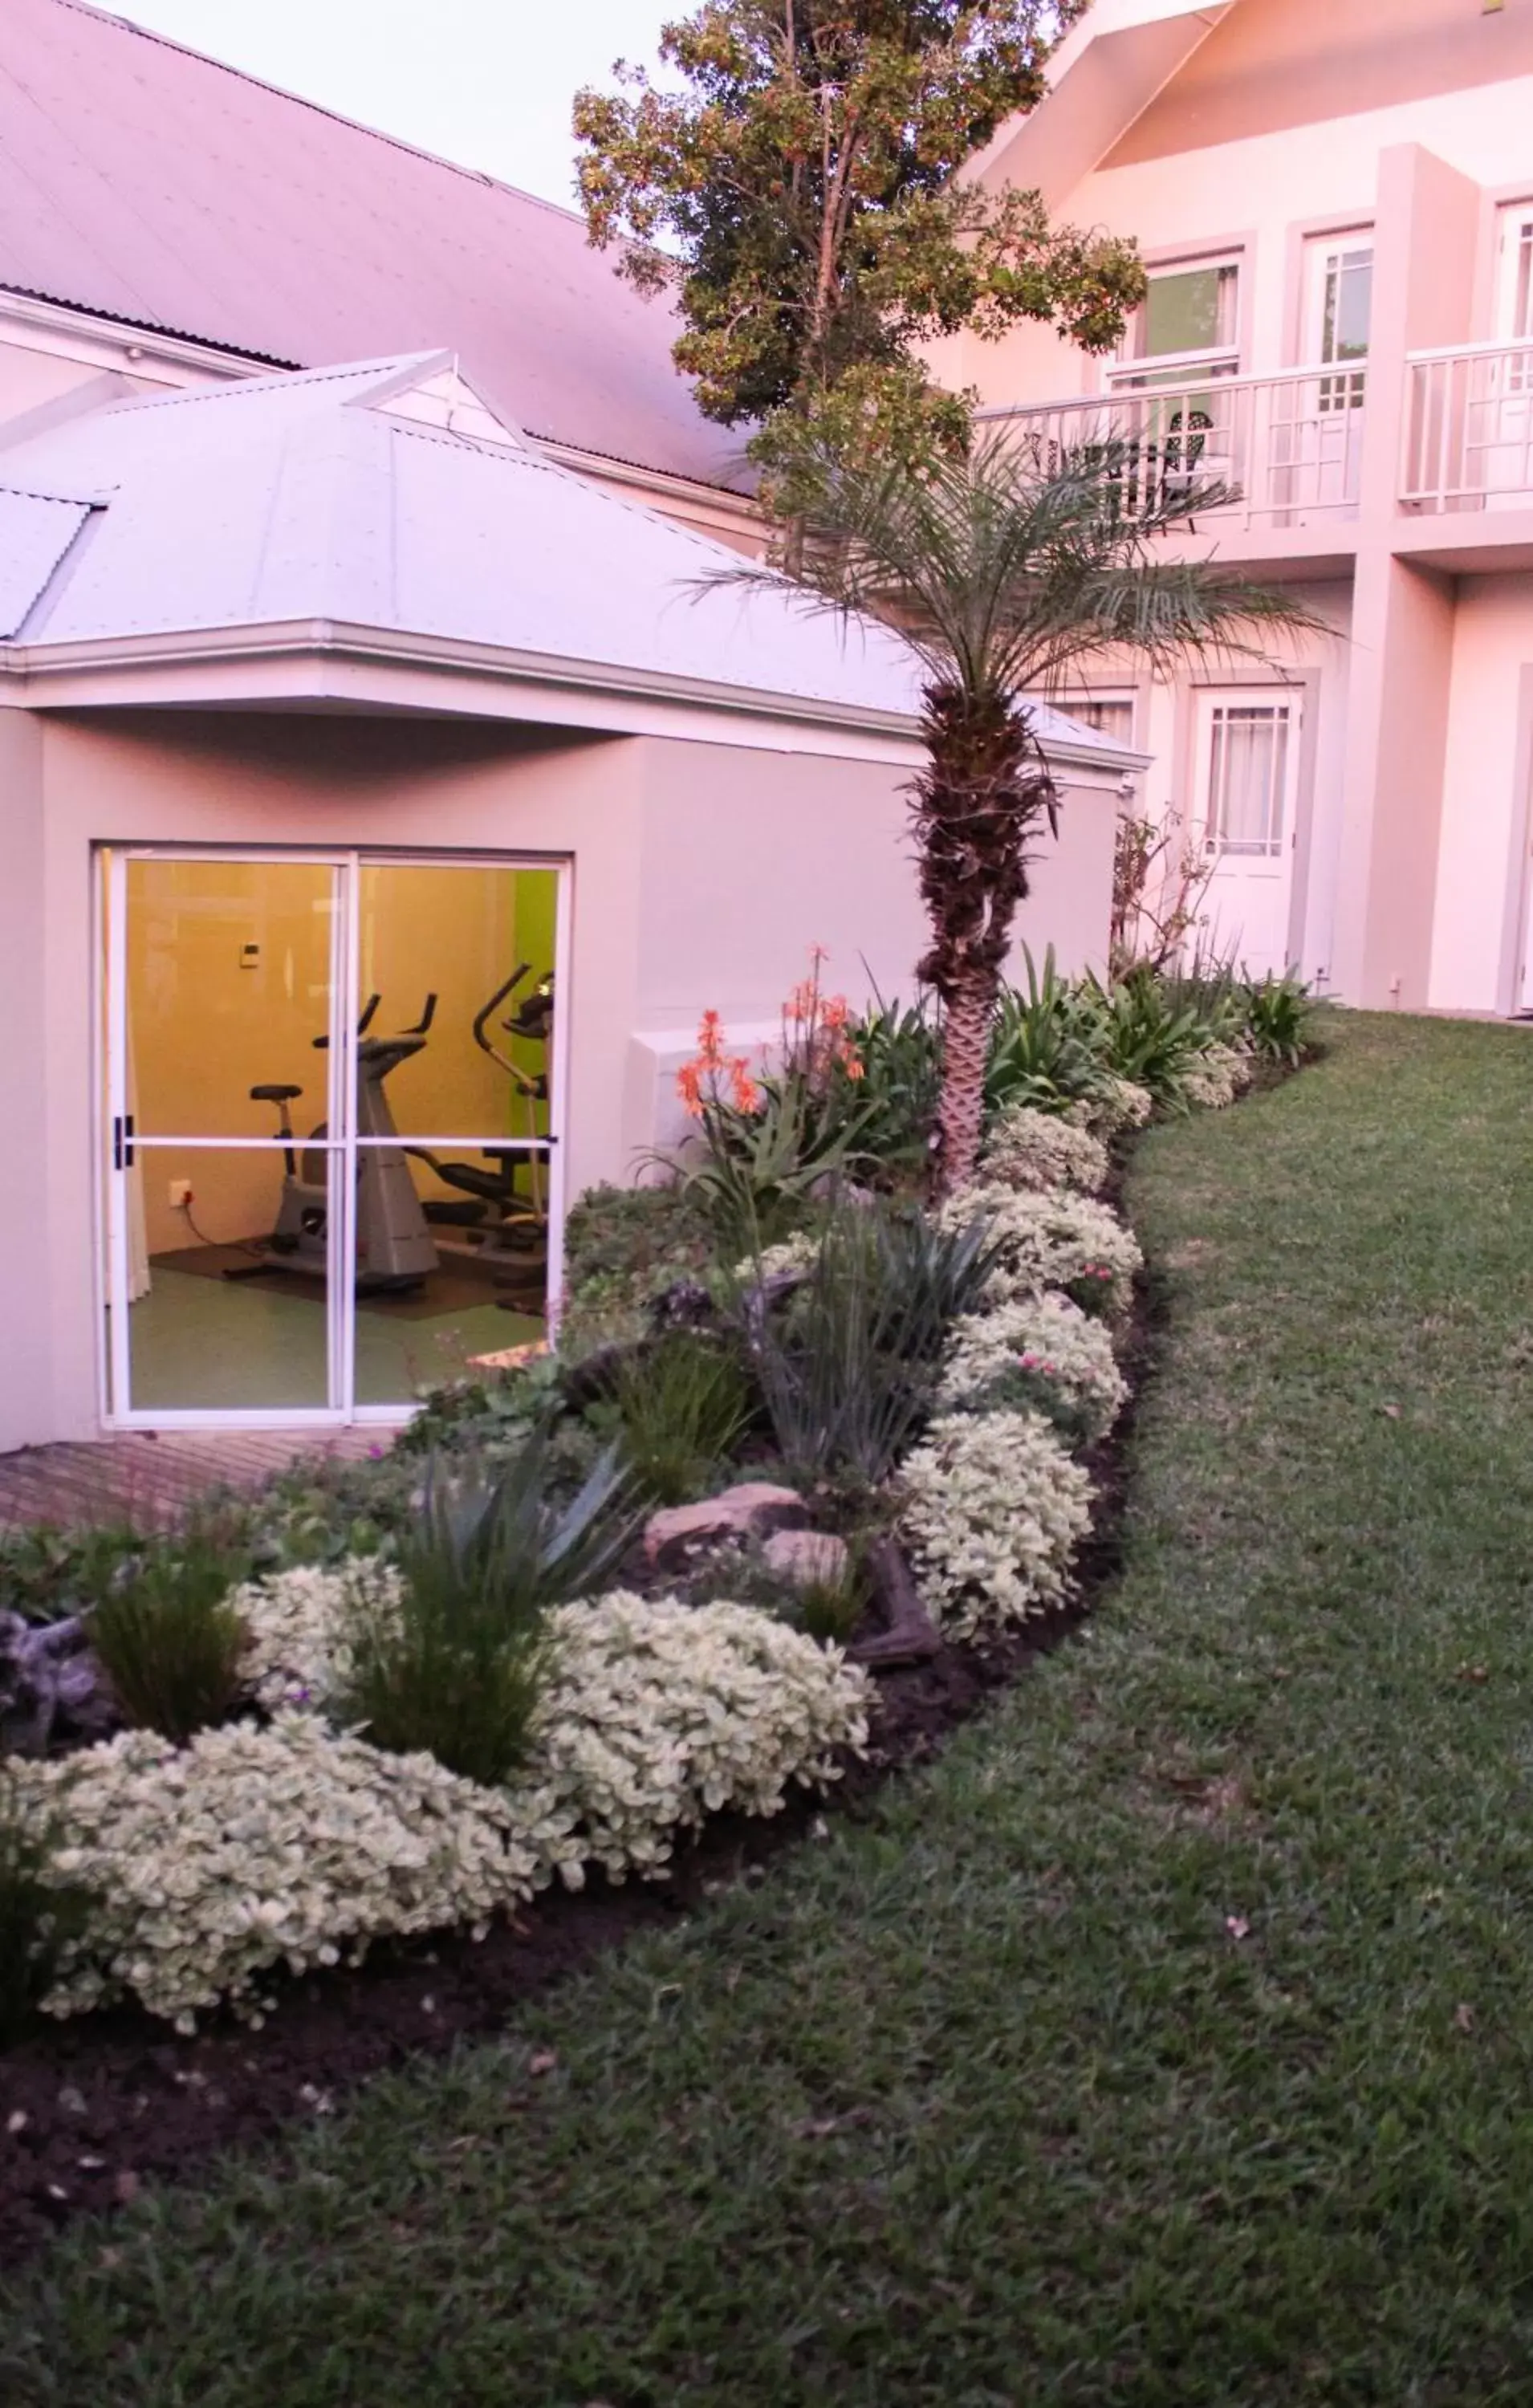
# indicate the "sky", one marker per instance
pixel 487 84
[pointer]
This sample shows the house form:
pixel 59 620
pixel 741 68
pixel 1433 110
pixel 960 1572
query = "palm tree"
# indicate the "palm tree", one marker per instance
pixel 1002 567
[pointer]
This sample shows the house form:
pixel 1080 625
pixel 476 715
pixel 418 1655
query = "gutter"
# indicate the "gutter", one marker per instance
pixel 327 639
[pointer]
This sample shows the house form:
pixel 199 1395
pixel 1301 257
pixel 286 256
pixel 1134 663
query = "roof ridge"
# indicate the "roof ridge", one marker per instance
pixel 283 380
pixel 337 116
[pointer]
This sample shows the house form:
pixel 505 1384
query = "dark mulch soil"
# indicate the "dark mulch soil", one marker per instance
pixel 91 2108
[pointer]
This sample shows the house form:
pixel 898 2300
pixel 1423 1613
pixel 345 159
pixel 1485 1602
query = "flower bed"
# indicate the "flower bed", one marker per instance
pixel 963 1367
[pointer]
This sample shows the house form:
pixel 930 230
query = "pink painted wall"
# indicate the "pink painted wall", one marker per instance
pixel 701 873
pixel 1484 852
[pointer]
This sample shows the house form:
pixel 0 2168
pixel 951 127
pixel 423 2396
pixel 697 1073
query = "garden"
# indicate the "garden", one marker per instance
pixel 815 1450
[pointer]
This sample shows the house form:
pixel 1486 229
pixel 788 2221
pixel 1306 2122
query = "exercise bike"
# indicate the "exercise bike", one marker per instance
pixel 503 1225
pixel 394 1249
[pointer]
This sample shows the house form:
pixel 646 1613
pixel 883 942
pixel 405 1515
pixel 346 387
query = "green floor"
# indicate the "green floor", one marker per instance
pixel 213 1346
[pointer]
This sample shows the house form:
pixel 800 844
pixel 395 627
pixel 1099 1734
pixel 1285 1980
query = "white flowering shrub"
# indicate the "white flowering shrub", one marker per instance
pixel 1116 1105
pixel 295 1624
pixel 659 1713
pixel 1041 1352
pixel 1027 1148
pixel 1051 1238
pixel 993 1510
pixel 296 1844
pixel 1216 1078
pixel 254 1848
pixel 799 1253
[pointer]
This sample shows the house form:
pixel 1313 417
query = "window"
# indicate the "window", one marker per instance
pixel 1188 321
pixel 1246 803
pixel 1515 312
pixel 1337 305
pixel 1110 714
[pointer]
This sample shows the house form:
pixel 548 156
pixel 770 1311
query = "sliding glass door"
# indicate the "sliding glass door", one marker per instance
pixel 331 1173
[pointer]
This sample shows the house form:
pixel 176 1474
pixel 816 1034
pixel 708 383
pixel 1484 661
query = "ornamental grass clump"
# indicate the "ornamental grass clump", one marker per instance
pixel 1039 1353
pixel 169 1638
pixel 1026 1148
pixel 1051 1238
pixel 456 1661
pixel 681 1407
pixel 994 1508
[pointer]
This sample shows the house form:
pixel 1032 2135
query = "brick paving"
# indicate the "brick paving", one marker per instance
pixel 137 1476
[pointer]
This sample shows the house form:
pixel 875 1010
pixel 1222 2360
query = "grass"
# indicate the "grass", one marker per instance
pixel 1167 2045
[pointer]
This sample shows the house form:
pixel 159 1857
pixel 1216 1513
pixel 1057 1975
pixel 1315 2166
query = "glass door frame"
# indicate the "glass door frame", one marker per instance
pixel 117 1145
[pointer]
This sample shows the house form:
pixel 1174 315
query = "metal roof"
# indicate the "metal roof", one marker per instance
pixel 385 496
pixel 143 181
pixel 38 530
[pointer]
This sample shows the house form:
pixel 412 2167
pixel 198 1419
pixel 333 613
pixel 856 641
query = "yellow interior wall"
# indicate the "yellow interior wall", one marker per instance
pixel 208 1021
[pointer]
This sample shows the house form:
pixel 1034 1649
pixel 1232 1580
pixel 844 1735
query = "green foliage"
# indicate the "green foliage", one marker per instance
pixel 492 1416
pixel 47 1574
pixel 1277 1019
pixel 1144 1029
pixel 682 1406
pixel 456 1667
pixel 39 1913
pixel 1042 1047
pixel 848 1370
pixel 757 1174
pixel 805 170
pixel 900 1050
pixel 829 1606
pixel 168 1637
pixel 625 1246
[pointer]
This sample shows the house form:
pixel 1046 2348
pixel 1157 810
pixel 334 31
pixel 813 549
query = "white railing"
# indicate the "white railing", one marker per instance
pixel 1289 446
pixel 1469 428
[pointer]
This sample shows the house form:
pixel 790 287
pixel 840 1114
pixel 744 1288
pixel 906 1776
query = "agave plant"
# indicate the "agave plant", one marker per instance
pixel 846 1370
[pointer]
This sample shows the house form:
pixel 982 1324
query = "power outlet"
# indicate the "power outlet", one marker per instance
pixel 181 1195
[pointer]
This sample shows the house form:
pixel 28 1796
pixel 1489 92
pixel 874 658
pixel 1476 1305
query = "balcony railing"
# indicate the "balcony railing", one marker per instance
pixel 1468 429
pixel 1289 446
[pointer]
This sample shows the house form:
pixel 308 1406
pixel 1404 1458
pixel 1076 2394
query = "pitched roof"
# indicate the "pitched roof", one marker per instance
pixel 384 496
pixel 350 496
pixel 146 182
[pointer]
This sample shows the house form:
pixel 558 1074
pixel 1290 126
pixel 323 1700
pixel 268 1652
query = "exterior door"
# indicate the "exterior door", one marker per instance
pixel 1246 793
pixel 223 988
pixel 1338 308
pixel 1503 419
pixel 333 1100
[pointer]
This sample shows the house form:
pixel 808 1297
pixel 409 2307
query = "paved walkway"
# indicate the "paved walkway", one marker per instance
pixel 142 1478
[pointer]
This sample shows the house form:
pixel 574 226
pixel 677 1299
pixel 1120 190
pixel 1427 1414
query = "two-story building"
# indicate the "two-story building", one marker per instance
pixel 1336 208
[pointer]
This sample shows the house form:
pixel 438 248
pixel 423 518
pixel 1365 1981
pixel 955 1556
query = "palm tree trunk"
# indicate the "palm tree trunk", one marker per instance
pixel 966 1049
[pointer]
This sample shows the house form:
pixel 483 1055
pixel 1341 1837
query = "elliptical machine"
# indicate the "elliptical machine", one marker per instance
pixel 503 1226
pixel 394 1246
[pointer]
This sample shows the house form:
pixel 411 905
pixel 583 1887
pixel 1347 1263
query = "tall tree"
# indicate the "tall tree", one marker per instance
pixel 1004 567
pixel 807 175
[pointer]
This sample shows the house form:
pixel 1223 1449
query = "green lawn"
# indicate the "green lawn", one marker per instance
pixel 1170 2042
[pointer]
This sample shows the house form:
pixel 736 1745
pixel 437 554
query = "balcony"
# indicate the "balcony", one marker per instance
pixel 1289 446
pixel 1468 429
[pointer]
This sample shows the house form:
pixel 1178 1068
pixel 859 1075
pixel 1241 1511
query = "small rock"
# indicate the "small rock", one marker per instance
pixel 747 1511
pixel 806 1557
pixel 71 2101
